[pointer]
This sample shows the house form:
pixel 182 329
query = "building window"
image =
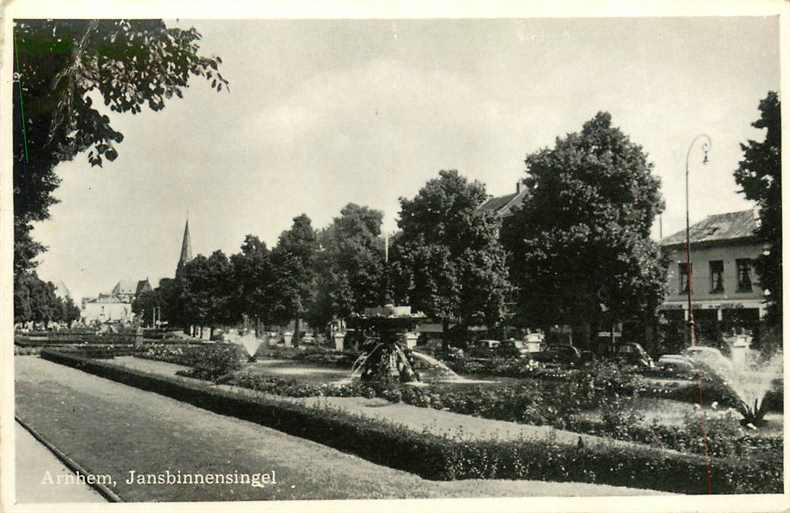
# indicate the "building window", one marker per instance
pixel 684 278
pixel 716 276
pixel 744 267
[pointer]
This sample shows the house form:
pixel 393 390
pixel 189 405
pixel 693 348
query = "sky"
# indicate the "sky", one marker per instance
pixel 326 112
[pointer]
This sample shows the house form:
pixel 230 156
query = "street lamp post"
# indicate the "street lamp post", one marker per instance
pixel 689 288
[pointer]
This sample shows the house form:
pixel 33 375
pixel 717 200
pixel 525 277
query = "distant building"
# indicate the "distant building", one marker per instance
pixel 115 306
pixel 124 290
pixel 62 291
pixel 106 308
pixel 186 249
pixel 143 286
pixel 502 206
pixel 725 289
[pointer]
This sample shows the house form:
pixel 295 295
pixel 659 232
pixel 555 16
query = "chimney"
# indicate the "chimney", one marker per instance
pixel 756 216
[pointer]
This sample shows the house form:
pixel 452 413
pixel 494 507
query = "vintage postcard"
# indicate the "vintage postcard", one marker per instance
pixel 386 258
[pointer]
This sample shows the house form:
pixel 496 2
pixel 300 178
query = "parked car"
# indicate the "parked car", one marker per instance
pixel 632 353
pixel 677 365
pixel 513 348
pixel 709 356
pixel 308 340
pixel 484 349
pixel 559 353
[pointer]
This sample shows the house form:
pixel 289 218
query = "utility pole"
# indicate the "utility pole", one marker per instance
pixel 689 287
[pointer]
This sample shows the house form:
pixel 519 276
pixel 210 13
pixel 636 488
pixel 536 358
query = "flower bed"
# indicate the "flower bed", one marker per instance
pixel 557 404
pixel 293 388
pixel 182 354
pixel 453 457
pixel 311 354
pixel 25 341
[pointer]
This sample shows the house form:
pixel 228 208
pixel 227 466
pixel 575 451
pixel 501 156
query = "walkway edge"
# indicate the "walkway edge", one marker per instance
pixel 72 465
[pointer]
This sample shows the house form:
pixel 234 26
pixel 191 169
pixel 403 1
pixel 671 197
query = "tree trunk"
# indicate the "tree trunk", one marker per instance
pixel 445 335
pixel 297 329
pixel 581 335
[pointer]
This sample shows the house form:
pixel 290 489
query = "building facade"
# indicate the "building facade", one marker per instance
pixel 115 306
pixel 725 290
pixel 106 308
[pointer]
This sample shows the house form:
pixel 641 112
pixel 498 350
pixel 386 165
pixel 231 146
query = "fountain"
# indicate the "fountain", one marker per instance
pixel 385 358
pixel 751 381
pixel 247 340
pixel 746 375
pixel 390 335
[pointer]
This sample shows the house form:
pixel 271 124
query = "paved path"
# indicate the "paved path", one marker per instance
pixel 35 465
pixel 110 428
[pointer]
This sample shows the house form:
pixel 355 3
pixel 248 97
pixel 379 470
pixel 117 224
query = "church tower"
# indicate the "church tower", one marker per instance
pixel 186 249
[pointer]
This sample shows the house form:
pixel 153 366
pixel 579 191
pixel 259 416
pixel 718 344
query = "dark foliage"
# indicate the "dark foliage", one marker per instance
pixel 760 176
pixel 60 67
pixel 580 247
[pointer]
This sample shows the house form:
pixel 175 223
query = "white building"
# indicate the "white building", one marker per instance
pixel 115 306
pixel 106 308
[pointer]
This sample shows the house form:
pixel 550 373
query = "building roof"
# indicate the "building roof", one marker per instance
pixel 124 287
pixel 104 299
pixel 143 286
pixel 497 202
pixel 717 228
pixel 502 206
pixel 186 247
pixel 61 290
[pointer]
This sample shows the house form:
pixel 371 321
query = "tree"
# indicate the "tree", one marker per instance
pixel 61 67
pixel 349 265
pixel 35 300
pixel 447 259
pixel 69 311
pixel 206 291
pixel 169 294
pixel 759 175
pixel 253 278
pixel 293 261
pixel 145 303
pixel 580 247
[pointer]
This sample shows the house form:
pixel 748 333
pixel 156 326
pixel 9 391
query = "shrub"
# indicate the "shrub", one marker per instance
pixel 293 388
pixel 620 419
pixel 216 361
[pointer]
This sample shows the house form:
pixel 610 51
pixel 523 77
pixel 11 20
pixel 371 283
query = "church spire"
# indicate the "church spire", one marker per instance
pixel 186 248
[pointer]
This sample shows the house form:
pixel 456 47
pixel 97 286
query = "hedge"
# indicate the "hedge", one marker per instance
pixel 26 341
pixel 446 457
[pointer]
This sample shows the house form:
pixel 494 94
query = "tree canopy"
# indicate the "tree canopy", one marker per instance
pixel 580 247
pixel 447 259
pixel 35 300
pixel 759 174
pixel 349 265
pixel 206 291
pixel 252 280
pixel 63 71
pixel 293 260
